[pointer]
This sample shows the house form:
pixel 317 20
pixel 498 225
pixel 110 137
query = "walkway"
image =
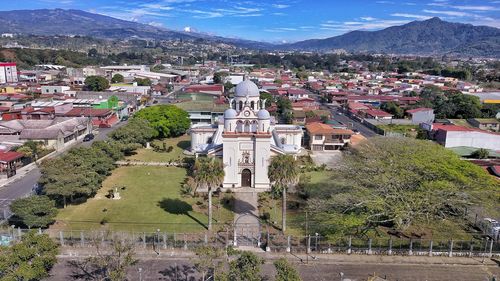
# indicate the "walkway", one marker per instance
pixel 247 226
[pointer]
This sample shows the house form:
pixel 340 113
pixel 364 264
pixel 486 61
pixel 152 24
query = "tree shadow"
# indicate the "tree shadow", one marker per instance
pixel 179 272
pixel 185 144
pixel 242 207
pixel 178 207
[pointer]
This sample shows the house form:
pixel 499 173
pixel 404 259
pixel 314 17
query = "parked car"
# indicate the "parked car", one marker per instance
pixel 88 137
pixel 492 228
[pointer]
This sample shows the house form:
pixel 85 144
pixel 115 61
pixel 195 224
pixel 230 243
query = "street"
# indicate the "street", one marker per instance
pixel 182 269
pixel 24 185
pixel 351 123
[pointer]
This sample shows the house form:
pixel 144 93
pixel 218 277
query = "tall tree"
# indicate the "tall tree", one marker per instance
pixel 117 78
pixel 283 172
pixel 96 83
pixel 167 120
pixel 245 268
pixel 31 259
pixel 208 173
pixel 34 211
pixel 208 261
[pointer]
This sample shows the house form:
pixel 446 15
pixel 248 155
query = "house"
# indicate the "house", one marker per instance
pixel 323 137
pixel 216 90
pixel 54 134
pixel 54 89
pixel 376 114
pixel 450 135
pixel 299 117
pixel 421 115
pixel 490 124
pixel 297 94
pixel 101 117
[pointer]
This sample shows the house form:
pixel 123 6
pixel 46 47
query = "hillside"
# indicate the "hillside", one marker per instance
pixel 429 37
pixel 77 22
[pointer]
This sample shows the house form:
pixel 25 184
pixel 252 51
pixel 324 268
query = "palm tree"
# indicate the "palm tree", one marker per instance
pixel 209 173
pixel 283 172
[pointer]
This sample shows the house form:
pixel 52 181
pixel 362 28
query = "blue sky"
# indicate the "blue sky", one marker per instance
pixel 278 20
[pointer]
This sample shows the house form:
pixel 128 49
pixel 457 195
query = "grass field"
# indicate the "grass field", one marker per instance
pixel 408 130
pixel 149 155
pixel 150 200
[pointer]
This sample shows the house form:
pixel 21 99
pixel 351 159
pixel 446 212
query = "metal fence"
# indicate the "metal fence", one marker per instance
pixel 314 244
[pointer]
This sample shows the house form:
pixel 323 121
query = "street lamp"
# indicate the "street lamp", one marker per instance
pixel 157 239
pixel 140 273
pixel 316 247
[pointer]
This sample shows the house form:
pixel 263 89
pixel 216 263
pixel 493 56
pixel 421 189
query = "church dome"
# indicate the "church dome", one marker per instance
pixel 263 114
pixel 230 113
pixel 247 88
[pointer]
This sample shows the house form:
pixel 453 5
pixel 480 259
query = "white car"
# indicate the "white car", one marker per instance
pixel 492 228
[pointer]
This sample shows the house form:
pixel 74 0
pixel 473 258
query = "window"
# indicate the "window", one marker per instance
pixel 283 140
pixel 241 105
pixel 252 105
pixel 318 137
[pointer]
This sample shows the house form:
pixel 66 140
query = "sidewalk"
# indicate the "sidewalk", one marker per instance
pixel 168 254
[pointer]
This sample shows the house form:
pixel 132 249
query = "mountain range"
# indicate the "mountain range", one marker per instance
pixel 429 37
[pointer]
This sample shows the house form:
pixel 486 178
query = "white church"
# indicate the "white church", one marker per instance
pixel 246 139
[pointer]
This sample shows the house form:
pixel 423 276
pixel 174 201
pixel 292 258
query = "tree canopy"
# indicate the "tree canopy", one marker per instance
pixel 167 120
pixel 398 182
pixel 96 83
pixel 34 211
pixel 451 104
pixel 137 131
pixel 30 259
pixel 285 271
pixel 117 78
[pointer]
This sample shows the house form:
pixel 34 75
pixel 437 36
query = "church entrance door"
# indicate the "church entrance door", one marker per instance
pixel 246 178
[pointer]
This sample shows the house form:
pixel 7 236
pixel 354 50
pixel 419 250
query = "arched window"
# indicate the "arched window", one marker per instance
pixel 252 105
pixel 233 104
pixel 283 140
pixel 247 127
pixel 239 126
pixel 241 105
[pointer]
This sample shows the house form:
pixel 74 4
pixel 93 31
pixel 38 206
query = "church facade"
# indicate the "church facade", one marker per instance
pixel 246 139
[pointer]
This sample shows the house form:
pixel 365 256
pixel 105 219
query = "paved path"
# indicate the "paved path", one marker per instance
pixel 352 124
pixel 247 226
pixel 141 163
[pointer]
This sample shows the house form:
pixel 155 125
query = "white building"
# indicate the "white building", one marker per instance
pixel 8 72
pixel 246 138
pixel 54 89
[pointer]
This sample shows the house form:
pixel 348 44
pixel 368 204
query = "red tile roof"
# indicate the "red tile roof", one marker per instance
pixel 420 109
pixel 9 156
pixel 377 113
pixel 87 112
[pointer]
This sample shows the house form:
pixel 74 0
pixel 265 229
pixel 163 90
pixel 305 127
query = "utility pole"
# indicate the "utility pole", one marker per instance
pixel 307 241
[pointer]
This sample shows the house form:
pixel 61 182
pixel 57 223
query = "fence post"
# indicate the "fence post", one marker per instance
pixel 450 253
pixel 82 239
pixel 235 238
pixel 288 247
pixel 390 247
pixel 430 249
pixel 410 252
pixel 175 241
pixel 308 250
pixel 206 239
pixel 144 239
pixel 471 249
pixel 268 244
pixel 185 243
pixel 39 230
pixel 369 246
pixel 164 240
pixel 61 238
pixel 349 247
pixel 490 254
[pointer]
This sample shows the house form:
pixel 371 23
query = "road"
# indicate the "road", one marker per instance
pixel 25 184
pixel 354 124
pixel 182 269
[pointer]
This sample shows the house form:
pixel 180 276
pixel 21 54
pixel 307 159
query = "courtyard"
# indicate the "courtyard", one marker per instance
pixel 150 199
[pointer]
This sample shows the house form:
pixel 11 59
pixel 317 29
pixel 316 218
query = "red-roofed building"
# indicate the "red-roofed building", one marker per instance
pixel 324 137
pixel 376 114
pixel 421 115
pixel 9 161
pixel 101 117
pixel 205 89
pixel 450 135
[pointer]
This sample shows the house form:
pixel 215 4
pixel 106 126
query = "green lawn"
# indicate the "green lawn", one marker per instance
pixel 409 130
pixel 150 201
pixel 149 155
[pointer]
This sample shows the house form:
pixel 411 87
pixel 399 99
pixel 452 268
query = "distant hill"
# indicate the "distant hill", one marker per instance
pixel 429 37
pixel 77 22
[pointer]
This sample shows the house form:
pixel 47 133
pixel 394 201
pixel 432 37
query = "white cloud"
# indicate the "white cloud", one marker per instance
pixel 280 6
pixel 476 8
pixel 448 13
pixel 411 16
pixel 368 18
